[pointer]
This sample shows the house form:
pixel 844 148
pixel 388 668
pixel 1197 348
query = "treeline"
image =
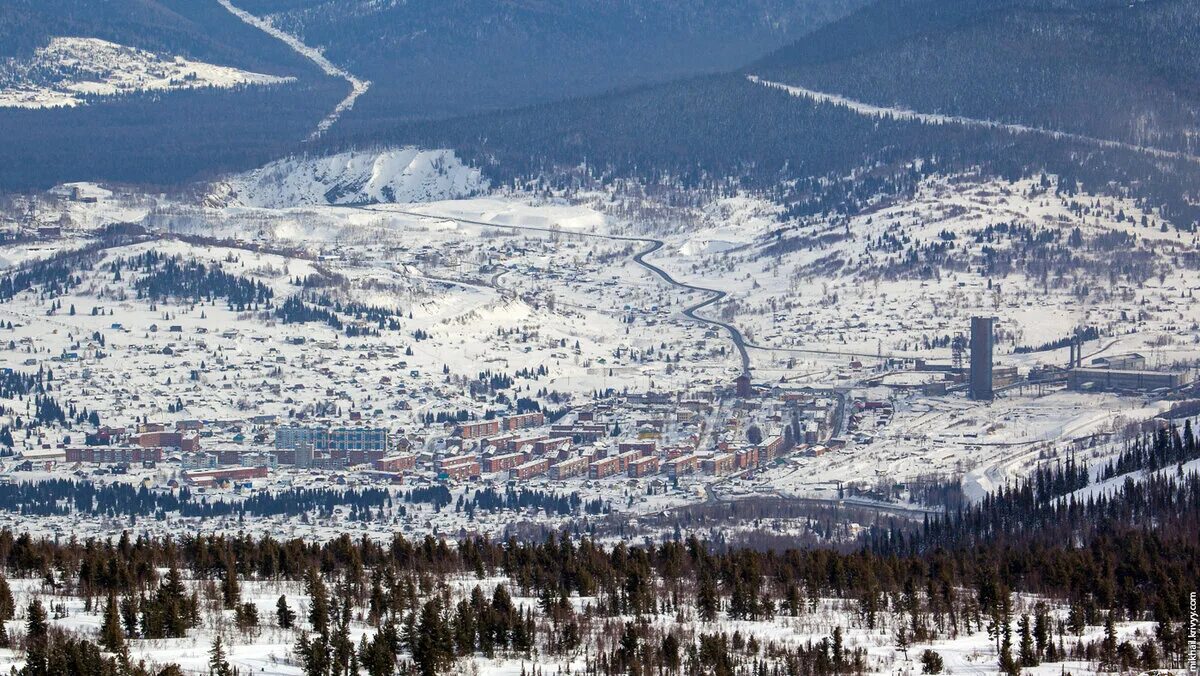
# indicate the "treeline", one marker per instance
pixel 1119 557
pixel 1041 254
pixel 158 138
pixel 1169 446
pixel 52 277
pixel 1082 335
pixel 1107 70
pixel 302 309
pixel 491 500
pixel 62 497
pixel 555 50
pixel 173 277
pixel 815 159
pixel 162 139
pixel 400 586
pixel 46 410
pixel 18 384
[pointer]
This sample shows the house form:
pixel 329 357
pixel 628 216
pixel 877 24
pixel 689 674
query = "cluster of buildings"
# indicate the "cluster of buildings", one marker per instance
pixel 664 435
pixel 1121 373
pixel 1118 373
pixel 190 444
pixel 635 437
pixel 325 447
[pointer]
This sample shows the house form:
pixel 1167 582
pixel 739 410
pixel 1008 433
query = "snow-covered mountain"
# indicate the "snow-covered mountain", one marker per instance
pixel 69 70
pixel 394 175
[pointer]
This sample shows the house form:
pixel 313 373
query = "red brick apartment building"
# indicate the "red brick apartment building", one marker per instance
pixel 507 461
pixel 529 469
pixel 644 466
pixel 684 464
pixel 719 465
pixel 566 469
pixel 604 467
pixel 396 463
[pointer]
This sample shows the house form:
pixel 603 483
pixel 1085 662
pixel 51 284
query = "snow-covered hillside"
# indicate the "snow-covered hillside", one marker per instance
pixel 70 70
pixel 396 175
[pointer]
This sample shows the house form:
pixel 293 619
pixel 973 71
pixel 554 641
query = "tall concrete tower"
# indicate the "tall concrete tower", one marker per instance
pixel 983 342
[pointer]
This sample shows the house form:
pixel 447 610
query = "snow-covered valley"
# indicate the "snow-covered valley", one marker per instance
pixel 393 290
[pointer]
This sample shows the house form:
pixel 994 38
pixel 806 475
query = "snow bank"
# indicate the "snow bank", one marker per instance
pixel 729 223
pixel 397 175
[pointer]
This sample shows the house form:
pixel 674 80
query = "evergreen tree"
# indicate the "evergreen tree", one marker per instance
pixel 931 662
pixel 1007 664
pixel 1025 649
pixel 432 648
pixel 1108 646
pixel 218 665
pixel 707 602
pixel 230 591
pixel 129 615
pixel 36 640
pixel 7 605
pixel 284 615
pixel 112 637
pixel 318 609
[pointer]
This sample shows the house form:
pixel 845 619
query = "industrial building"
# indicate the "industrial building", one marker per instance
pixel 1122 362
pixel 1123 380
pixel 983 343
pixel 217 476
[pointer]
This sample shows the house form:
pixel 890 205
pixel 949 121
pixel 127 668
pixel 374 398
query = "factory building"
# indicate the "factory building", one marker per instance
pixel 1123 380
pixel 983 342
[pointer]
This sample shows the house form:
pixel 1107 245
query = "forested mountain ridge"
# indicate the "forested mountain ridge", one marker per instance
pixel 1063 65
pixel 1104 69
pixel 1120 71
pixel 725 132
pixel 435 59
pixel 155 137
pixel 200 30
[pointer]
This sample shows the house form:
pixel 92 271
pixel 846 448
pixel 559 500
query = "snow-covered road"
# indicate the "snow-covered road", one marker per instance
pixel 653 245
pixel 872 110
pixel 358 87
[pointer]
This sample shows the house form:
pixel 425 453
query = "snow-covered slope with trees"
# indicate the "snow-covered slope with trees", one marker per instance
pixel 395 175
pixel 70 70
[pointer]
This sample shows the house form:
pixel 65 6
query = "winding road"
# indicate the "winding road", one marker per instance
pixel 652 245
pixel 735 334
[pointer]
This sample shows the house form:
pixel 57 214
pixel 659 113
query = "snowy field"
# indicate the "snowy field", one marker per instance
pixel 268 649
